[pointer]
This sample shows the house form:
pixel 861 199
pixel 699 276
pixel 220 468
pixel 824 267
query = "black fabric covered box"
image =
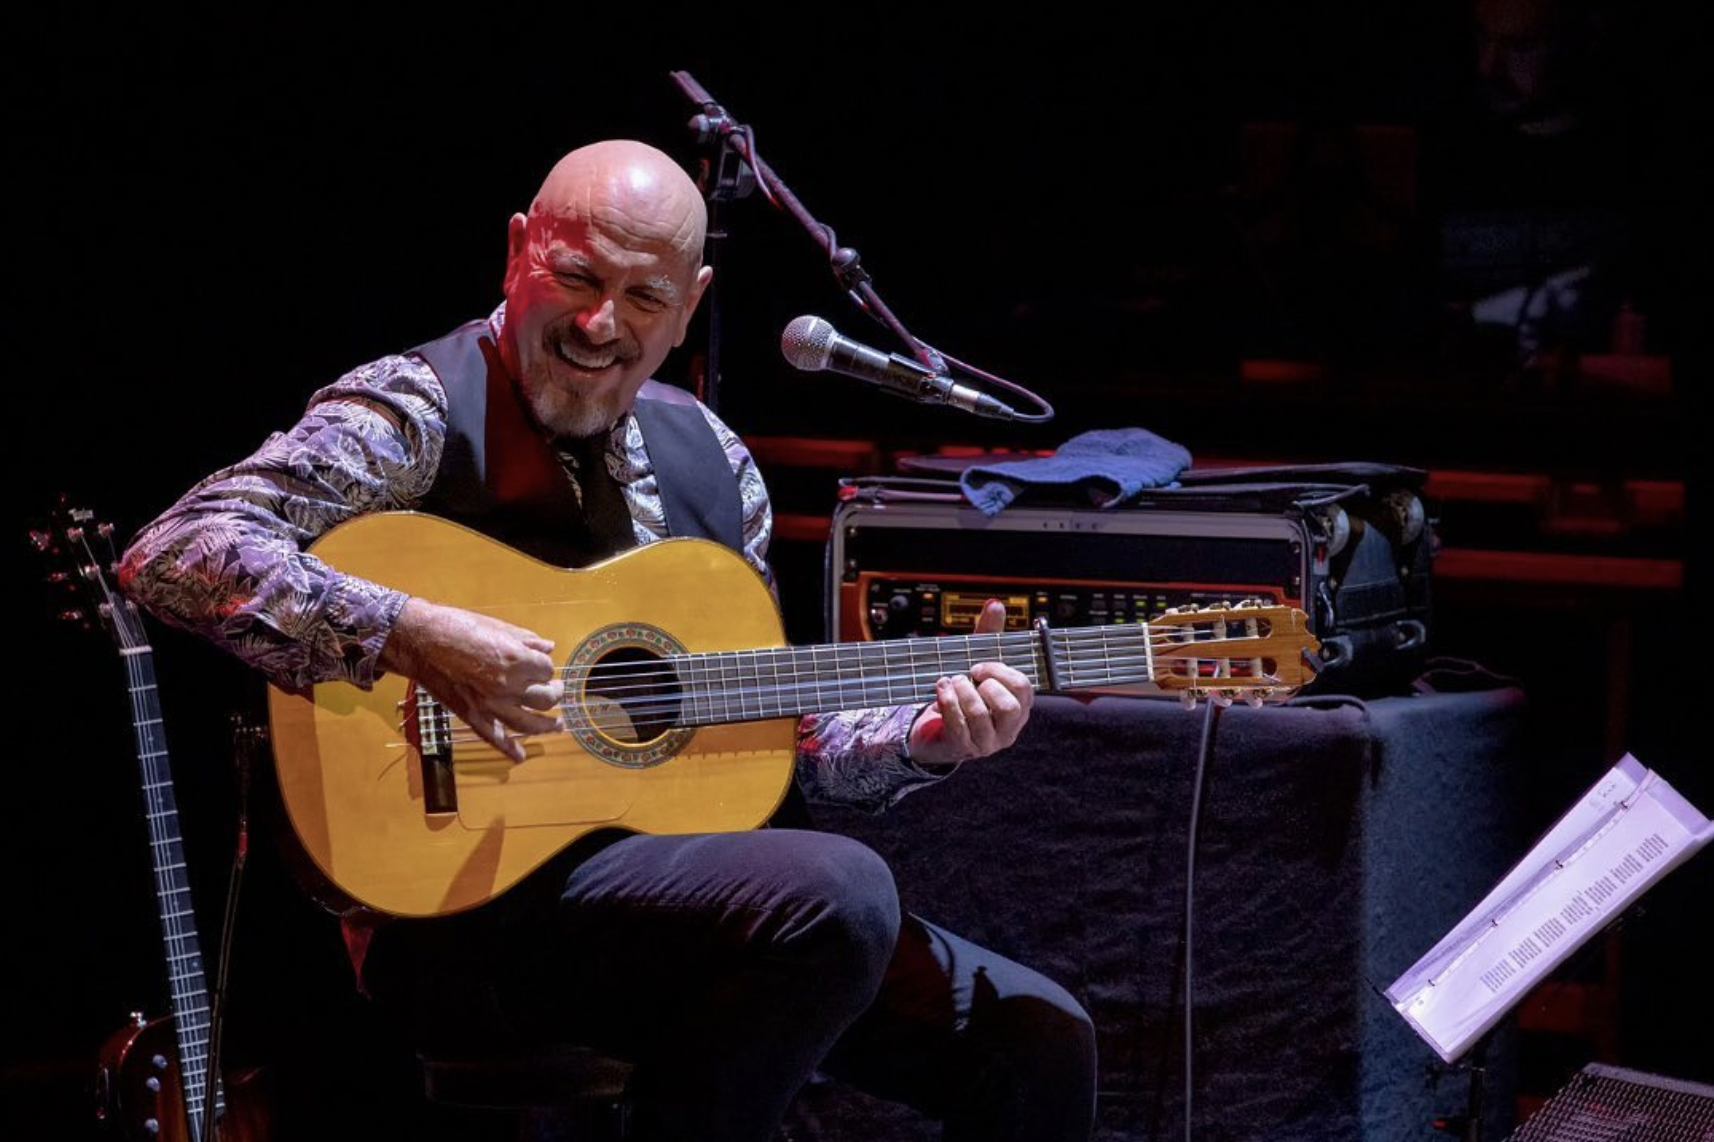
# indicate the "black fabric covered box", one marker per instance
pixel 1339 839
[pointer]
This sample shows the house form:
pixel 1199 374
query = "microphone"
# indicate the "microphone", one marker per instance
pixel 811 344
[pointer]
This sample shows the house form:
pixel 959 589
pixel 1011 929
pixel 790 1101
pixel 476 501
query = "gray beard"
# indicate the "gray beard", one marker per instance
pixel 567 412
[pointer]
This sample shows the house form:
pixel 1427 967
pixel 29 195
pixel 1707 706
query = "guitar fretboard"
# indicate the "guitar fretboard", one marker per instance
pixel 192 1021
pixel 789 681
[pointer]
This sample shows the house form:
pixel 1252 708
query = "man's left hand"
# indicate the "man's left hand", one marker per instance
pixel 975 714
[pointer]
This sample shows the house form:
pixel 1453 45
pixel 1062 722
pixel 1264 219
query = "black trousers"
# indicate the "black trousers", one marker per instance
pixel 730 968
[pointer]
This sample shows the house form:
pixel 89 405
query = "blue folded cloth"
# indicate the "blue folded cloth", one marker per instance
pixel 1106 467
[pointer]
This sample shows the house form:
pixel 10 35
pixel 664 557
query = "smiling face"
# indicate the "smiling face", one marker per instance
pixel 602 277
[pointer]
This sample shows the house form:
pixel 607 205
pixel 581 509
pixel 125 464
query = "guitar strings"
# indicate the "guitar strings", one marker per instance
pixel 1097 648
pixel 183 955
pixel 923 660
pixel 750 703
pixel 638 687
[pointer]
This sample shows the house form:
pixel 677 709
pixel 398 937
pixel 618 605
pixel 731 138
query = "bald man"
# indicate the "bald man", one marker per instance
pixel 727 966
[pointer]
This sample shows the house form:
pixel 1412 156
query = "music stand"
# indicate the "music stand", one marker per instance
pixel 1628 831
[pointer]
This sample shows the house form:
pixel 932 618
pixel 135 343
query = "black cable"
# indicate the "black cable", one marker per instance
pixel 1204 750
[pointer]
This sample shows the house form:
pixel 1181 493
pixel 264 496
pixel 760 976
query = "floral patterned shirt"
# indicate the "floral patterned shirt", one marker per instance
pixel 228 560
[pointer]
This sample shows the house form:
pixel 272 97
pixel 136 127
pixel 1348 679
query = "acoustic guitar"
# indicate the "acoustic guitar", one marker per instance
pixel 155 1081
pixel 681 703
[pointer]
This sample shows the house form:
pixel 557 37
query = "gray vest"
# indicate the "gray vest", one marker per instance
pixel 499 476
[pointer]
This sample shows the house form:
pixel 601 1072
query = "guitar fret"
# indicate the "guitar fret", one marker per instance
pixel 869 677
pixel 749 693
pixel 857 677
pixel 815 654
pixel 924 662
pixel 772 703
pixel 888 680
pixel 719 689
pixel 732 688
pixel 733 672
pixel 683 668
pixel 753 704
pixel 903 686
pixel 707 678
pixel 921 672
pixel 921 666
pixel 797 681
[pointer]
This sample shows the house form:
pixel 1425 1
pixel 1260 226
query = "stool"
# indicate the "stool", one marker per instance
pixel 558 1091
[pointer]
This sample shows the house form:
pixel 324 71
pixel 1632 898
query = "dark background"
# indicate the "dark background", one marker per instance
pixel 212 214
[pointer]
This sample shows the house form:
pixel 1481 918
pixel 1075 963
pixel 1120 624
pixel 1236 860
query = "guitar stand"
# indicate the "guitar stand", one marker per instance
pixel 246 738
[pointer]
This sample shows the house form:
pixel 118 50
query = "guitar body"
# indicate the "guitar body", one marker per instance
pixel 140 1093
pixel 139 1090
pixel 364 800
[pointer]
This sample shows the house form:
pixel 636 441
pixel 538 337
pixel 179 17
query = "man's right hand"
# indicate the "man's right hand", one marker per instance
pixel 497 677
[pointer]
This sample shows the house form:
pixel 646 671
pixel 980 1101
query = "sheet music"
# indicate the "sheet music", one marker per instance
pixel 1630 829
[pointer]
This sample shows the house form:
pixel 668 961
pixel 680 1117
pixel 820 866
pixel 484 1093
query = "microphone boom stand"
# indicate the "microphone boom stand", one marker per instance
pixel 712 122
pixel 847 265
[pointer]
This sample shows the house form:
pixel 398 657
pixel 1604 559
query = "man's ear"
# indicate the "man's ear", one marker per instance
pixel 517 239
pixel 697 289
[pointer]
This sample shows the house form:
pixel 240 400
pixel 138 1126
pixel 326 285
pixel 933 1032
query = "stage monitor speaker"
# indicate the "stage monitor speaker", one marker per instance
pixel 1612 1104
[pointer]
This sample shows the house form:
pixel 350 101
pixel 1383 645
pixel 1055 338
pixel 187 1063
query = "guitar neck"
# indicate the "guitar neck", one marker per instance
pixel 776 682
pixel 192 1021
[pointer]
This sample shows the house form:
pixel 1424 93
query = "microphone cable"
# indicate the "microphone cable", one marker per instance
pixel 1204 751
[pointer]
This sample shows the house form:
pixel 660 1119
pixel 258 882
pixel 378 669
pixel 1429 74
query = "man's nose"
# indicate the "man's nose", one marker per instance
pixel 597 322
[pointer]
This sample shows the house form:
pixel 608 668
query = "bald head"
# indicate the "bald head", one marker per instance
pixel 602 277
pixel 630 188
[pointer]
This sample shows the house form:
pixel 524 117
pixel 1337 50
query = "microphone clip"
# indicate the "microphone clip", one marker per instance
pixel 726 177
pixel 848 269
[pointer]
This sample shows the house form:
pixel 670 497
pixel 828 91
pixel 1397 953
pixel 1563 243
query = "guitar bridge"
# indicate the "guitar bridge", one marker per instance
pixel 429 727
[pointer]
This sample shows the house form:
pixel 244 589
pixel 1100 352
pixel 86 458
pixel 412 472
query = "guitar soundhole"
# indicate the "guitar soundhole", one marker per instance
pixel 632 697
pixel 624 702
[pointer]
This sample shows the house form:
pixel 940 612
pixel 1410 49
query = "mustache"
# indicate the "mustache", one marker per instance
pixel 568 334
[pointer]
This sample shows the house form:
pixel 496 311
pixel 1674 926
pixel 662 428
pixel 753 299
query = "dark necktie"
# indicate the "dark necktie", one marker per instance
pixel 606 517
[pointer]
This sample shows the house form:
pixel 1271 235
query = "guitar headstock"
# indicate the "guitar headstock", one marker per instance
pixel 1253 650
pixel 81 558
